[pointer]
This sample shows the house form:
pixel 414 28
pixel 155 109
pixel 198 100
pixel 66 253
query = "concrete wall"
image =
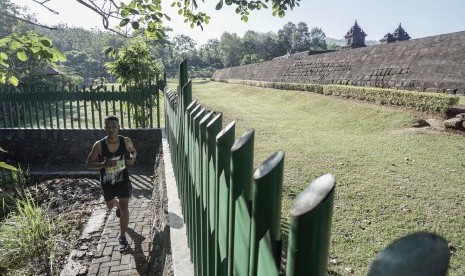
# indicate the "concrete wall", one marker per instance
pixel 435 64
pixel 71 146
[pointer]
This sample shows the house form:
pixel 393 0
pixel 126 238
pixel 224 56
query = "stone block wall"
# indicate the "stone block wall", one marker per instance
pixel 433 64
pixel 71 146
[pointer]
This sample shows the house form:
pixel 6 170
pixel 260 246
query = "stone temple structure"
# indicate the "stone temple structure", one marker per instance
pixel 399 35
pixel 432 64
pixel 355 37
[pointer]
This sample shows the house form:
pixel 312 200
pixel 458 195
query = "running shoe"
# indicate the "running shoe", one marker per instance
pixel 123 243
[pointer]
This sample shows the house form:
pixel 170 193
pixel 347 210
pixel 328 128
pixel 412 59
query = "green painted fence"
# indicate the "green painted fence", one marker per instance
pixel 80 107
pixel 232 213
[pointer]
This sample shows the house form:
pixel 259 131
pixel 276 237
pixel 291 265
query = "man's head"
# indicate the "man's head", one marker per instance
pixel 111 125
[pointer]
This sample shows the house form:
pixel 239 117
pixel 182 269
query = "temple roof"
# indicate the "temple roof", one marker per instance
pixel 400 34
pixel 355 31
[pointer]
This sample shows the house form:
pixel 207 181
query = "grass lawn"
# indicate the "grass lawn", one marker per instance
pixel 391 180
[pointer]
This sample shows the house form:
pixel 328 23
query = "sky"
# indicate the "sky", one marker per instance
pixel 420 18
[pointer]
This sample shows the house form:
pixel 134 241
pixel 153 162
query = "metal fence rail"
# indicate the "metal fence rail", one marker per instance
pixel 80 107
pixel 233 214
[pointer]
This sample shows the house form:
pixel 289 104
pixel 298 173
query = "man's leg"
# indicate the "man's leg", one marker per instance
pixel 124 219
pixel 112 203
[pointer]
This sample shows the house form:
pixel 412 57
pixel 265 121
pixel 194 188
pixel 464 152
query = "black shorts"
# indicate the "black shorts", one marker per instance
pixel 120 190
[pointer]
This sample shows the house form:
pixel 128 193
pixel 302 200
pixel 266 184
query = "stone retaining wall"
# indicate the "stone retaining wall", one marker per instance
pixel 49 147
pixel 434 64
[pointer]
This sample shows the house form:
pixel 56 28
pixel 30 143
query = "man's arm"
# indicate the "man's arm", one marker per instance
pixel 131 150
pixel 92 160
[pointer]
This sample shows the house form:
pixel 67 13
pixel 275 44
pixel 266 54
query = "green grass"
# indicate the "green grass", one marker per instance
pixel 391 180
pixel 29 239
pixel 462 100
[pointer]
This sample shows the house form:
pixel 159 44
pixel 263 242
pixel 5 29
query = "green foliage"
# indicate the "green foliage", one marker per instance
pixel 83 50
pixel 25 47
pixel 430 102
pixel 134 65
pixel 29 236
pixel 250 59
pixel 148 14
pixel 297 38
pixel 5 166
pixel 423 101
pixel 11 181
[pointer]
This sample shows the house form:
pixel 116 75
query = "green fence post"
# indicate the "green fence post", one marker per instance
pixel 192 194
pixel 79 98
pixel 42 107
pixel 197 192
pixel 204 193
pixel 92 105
pixel 213 128
pixel 57 114
pixel 23 107
pixel 30 98
pixel 242 153
pixel 106 98
pixel 424 254
pixel 113 98
pixel 129 98
pixel 185 100
pixel 99 101
pixel 36 104
pixel 183 75
pixel 310 229
pixel 120 97
pixel 86 99
pixel 157 95
pixel 265 244
pixel 150 103
pixel 186 198
pixel 225 140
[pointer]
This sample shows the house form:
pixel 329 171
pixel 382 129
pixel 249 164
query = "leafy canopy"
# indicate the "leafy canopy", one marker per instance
pixel 133 65
pixel 25 46
pixel 149 16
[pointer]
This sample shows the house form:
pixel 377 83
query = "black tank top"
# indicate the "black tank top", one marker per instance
pixel 119 173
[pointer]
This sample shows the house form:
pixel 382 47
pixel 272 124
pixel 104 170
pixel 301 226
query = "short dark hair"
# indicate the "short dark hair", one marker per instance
pixel 111 117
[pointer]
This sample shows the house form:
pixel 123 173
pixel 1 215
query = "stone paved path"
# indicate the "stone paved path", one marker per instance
pixel 134 261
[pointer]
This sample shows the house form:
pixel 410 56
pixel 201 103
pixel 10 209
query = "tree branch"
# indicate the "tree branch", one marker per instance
pixel 102 14
pixel 43 5
pixel 28 21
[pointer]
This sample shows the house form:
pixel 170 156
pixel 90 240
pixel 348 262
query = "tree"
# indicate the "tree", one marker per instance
pixel 21 47
pixel 134 65
pixel 286 36
pixel 149 15
pixel 301 38
pixel 250 59
pixel 272 47
pixel 317 40
pixel 230 49
pixel 210 53
pixel 132 15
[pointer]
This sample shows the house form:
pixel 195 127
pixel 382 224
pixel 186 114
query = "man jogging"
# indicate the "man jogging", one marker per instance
pixel 111 155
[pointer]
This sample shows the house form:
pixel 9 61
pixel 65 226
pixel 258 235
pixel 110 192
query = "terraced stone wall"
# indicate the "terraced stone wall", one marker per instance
pixel 71 146
pixel 433 64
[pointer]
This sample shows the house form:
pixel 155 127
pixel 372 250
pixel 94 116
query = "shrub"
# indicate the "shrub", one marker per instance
pixel 423 101
pixel 11 181
pixel 432 102
pixel 28 236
